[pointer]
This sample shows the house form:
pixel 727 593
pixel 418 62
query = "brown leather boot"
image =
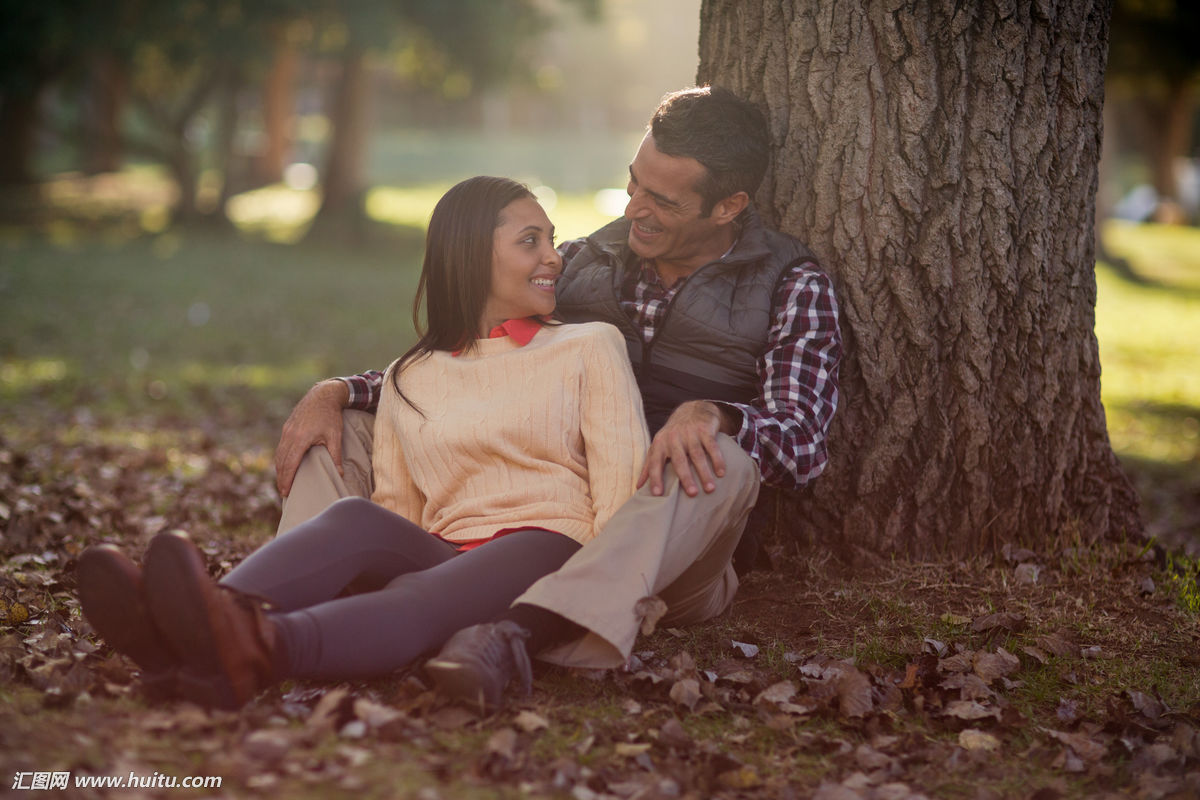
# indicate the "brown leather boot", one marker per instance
pixel 225 640
pixel 110 591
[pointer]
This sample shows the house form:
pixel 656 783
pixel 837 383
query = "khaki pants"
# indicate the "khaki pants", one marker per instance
pixel 675 547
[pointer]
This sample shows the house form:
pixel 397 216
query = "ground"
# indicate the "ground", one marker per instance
pixel 146 395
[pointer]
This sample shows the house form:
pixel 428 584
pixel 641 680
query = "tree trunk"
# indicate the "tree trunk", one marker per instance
pixel 1171 133
pixel 234 177
pixel 342 186
pixel 278 108
pixel 107 90
pixel 940 157
pixel 18 135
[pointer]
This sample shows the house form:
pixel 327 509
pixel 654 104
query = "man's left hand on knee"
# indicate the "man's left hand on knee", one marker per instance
pixel 688 441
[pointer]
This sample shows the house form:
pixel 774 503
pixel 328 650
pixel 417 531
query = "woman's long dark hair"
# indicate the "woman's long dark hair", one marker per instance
pixel 456 275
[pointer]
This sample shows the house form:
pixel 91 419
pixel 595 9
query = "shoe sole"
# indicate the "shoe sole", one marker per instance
pixel 179 595
pixel 458 682
pixel 110 592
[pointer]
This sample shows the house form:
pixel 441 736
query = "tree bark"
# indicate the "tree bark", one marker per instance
pixel 18 135
pixel 941 158
pixel 1170 134
pixel 342 186
pixel 107 93
pixel 278 108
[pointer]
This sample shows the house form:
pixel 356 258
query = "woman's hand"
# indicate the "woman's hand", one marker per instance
pixel 316 420
pixel 689 441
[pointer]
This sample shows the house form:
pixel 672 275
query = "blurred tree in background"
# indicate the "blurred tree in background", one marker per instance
pixel 1153 81
pixel 167 80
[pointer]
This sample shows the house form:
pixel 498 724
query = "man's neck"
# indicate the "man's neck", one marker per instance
pixel 671 271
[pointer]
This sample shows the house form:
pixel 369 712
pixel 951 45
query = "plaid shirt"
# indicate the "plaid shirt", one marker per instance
pixel 785 427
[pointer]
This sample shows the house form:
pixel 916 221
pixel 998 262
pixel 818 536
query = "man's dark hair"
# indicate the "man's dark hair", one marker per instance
pixel 726 134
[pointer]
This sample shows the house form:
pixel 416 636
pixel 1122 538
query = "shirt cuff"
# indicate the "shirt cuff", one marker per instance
pixel 360 393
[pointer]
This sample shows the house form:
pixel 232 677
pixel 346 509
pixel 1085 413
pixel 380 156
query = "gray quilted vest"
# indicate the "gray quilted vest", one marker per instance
pixel 715 328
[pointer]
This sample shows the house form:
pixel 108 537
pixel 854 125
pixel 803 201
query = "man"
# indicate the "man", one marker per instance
pixel 732 333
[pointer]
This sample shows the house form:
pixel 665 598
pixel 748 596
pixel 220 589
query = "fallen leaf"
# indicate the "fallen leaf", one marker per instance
pixel 990 666
pixel 328 709
pixel 1027 574
pixel 1067 711
pixel 354 729
pixel 969 710
pixel 375 715
pixel 631 749
pixel 935 647
pixel 853 692
pixel 1148 706
pixel 686 692
pixel 746 650
pixel 1059 644
pixel 744 777
pixel 503 743
pixel 1036 654
pixel 969 685
pixel 955 619
pixel 959 662
pixel 529 722
pixel 776 693
pixel 267 746
pixel 672 734
pixel 868 758
pixel 1005 620
pixel 973 739
pixel 1084 746
pixel 650 610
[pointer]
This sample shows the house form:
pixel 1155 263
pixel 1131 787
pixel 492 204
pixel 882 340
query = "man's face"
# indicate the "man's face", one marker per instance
pixel 665 207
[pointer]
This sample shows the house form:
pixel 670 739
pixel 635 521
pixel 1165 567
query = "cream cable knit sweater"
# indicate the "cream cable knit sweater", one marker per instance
pixel 549 435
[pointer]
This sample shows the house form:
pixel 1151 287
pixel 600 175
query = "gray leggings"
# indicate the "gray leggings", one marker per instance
pixel 429 590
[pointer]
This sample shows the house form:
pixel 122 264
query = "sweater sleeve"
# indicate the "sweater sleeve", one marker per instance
pixel 614 426
pixel 394 486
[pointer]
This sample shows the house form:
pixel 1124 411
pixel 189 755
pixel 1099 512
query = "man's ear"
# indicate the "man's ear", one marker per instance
pixel 727 210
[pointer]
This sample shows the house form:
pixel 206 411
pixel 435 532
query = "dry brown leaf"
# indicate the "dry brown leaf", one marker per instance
pixel 969 710
pixel 744 777
pixel 686 692
pixel 1027 574
pixel 870 759
pixel 375 715
pixel 1151 708
pixel 503 743
pixel 672 734
pixel 328 709
pixel 650 610
pixel 853 692
pixel 1084 746
pixel 529 722
pixel 267 746
pixel 970 686
pixel 1058 644
pixel 1036 654
pixel 631 749
pixel 960 662
pixel 776 694
pixel 1005 620
pixel 744 649
pixel 990 666
pixel 973 739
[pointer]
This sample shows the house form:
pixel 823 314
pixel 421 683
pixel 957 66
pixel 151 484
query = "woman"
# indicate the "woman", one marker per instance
pixel 503 443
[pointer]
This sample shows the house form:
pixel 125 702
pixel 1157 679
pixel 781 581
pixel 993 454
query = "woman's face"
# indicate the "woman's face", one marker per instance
pixel 525 265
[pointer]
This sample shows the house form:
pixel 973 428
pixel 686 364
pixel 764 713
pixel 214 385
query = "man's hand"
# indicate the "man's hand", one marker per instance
pixel 689 441
pixel 316 420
